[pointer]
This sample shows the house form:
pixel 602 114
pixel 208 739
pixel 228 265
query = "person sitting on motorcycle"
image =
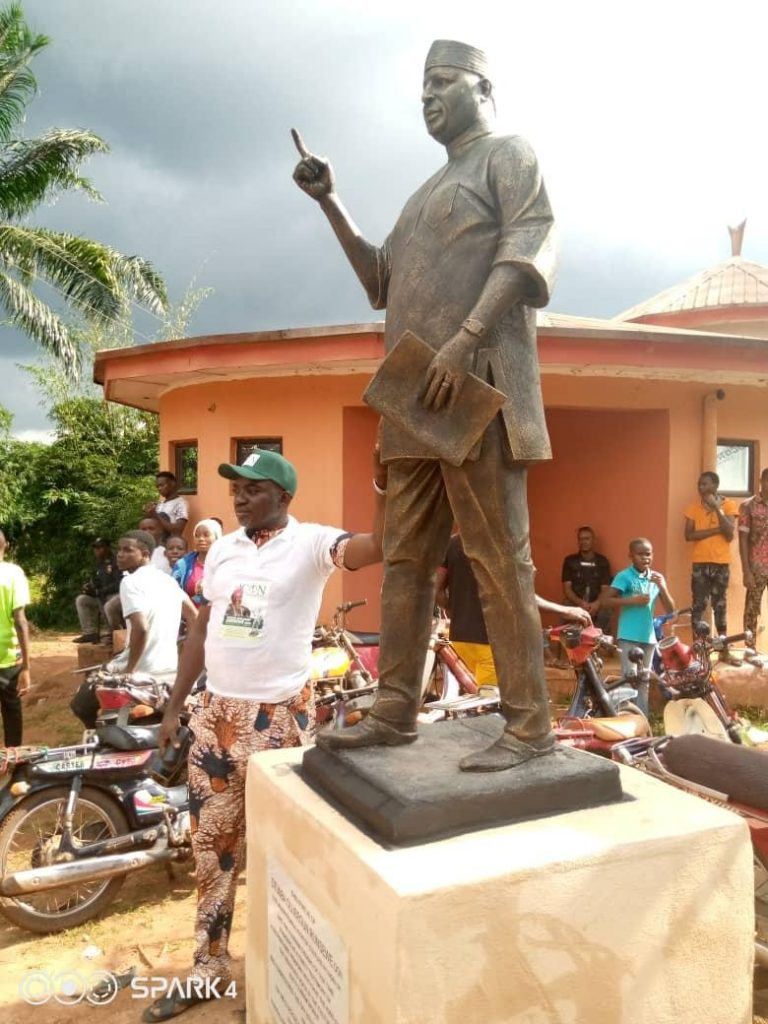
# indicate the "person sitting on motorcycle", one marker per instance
pixel 273 571
pixel 153 605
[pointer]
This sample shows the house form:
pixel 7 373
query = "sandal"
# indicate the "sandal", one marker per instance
pixel 170 1006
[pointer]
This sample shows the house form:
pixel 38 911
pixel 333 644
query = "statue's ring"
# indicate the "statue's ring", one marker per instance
pixel 445 384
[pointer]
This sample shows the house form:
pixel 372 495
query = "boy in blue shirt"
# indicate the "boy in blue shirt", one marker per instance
pixel 634 592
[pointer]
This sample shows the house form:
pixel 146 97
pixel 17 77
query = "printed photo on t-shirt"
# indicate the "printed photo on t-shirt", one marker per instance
pixel 247 611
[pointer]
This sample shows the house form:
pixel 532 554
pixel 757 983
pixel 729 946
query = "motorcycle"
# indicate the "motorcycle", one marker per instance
pixel 601 712
pixel 75 820
pixel 343 661
pixel 730 775
pixel 695 702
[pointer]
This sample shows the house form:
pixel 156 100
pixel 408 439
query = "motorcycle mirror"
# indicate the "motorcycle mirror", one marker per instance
pixel 701 629
pixel 636 655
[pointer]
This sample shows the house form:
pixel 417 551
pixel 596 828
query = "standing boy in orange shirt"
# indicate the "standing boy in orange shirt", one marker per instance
pixel 710 526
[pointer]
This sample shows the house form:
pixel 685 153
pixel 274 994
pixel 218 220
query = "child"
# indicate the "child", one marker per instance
pixel 634 591
pixel 174 549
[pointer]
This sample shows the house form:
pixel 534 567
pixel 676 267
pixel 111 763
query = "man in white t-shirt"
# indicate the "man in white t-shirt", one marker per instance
pixel 172 510
pixel 153 605
pixel 262 589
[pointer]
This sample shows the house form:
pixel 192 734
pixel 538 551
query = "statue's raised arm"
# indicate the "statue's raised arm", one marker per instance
pixel 314 175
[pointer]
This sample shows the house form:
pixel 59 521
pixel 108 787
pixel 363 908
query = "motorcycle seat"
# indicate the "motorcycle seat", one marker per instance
pixel 134 737
pixel 726 767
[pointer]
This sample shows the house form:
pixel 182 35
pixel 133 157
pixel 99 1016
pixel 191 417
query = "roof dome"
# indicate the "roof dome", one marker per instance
pixel 733 294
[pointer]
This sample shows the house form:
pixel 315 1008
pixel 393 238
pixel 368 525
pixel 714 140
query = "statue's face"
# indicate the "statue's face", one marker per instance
pixel 452 99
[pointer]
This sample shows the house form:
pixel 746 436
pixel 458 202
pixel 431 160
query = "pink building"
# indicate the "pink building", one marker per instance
pixel 636 407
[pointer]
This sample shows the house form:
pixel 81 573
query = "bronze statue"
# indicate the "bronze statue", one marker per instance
pixel 468 262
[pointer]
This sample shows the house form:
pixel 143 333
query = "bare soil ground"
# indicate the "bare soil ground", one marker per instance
pixel 149 926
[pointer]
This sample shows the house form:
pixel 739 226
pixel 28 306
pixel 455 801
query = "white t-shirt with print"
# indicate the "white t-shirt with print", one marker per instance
pixel 264 606
pixel 159 599
pixel 175 508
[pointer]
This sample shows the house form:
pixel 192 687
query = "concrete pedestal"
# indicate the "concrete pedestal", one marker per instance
pixel 627 913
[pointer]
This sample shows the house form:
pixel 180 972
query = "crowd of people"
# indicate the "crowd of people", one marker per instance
pixel 250 599
pixel 624 603
pixel 118 596
pixel 249 602
pixel 164 522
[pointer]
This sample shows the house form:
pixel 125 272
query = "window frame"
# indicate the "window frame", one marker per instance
pixel 239 452
pixel 177 449
pixel 752 462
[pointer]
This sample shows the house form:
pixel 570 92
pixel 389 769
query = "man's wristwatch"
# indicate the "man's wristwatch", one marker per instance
pixel 474 327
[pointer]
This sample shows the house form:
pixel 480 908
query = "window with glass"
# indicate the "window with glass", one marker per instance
pixel 185 466
pixel 245 445
pixel 736 466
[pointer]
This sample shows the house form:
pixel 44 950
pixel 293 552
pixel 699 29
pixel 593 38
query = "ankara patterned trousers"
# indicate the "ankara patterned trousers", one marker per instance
pixel 754 598
pixel 709 582
pixel 227 731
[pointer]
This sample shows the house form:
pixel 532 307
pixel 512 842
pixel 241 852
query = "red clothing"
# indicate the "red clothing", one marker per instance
pixel 195 577
pixel 753 520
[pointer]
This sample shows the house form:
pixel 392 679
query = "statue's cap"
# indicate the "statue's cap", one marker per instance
pixel 449 53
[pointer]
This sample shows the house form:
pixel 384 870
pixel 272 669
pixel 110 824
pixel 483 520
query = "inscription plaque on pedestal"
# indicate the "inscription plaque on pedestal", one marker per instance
pixel 307 968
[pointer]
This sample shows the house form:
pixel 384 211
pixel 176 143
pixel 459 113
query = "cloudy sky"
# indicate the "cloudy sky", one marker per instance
pixel 648 119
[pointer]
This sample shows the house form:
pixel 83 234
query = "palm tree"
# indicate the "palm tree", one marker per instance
pixel 96 281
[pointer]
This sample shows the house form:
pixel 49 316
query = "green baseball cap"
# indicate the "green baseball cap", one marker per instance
pixel 262 464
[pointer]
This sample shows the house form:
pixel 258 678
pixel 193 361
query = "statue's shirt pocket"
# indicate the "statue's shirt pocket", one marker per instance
pixel 440 205
pixel 453 209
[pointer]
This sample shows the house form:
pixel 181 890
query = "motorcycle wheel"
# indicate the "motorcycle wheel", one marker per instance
pixel 35 822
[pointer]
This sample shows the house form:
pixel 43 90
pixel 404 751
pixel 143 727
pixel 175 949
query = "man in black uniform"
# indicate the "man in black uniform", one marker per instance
pixel 586 575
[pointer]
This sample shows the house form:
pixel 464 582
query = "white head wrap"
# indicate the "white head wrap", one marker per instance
pixel 210 524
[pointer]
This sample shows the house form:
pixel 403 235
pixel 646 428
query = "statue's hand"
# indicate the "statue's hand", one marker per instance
pixel 448 371
pixel 312 174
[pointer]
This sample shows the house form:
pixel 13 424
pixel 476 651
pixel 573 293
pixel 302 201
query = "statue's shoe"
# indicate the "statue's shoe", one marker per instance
pixel 368 733
pixel 507 752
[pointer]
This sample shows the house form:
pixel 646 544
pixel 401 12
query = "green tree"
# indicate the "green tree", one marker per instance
pixel 94 479
pixel 95 281
pixel 19 462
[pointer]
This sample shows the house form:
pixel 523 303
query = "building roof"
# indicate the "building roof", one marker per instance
pixel 734 282
pixel 575 346
pixel 735 288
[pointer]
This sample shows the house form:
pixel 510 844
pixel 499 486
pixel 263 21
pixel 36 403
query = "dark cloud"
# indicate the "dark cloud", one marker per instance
pixel 642 146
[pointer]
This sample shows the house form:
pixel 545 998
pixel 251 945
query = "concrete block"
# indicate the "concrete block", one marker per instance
pixel 622 914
